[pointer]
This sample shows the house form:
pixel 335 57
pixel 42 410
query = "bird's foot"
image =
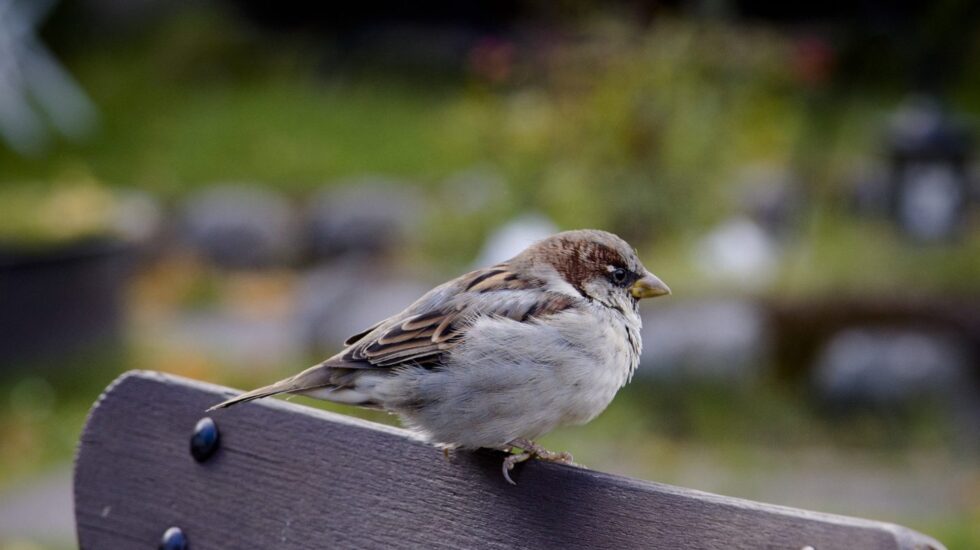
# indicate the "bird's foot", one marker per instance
pixel 530 450
pixel 511 461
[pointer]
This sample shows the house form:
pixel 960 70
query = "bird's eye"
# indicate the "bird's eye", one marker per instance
pixel 619 275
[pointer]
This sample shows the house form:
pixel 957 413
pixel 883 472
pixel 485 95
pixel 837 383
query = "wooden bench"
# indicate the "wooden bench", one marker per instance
pixel 288 476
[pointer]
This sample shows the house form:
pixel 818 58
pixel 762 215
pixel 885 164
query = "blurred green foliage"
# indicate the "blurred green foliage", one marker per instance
pixel 43 407
pixel 46 214
pixel 643 132
pixel 195 102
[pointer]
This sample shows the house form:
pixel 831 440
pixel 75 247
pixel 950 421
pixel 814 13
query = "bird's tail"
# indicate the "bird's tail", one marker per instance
pixel 259 393
pixel 310 379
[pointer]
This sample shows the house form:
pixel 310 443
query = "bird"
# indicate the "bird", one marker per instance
pixel 502 355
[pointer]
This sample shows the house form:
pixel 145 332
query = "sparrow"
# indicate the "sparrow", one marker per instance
pixel 502 355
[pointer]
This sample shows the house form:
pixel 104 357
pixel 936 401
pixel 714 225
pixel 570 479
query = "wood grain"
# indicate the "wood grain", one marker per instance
pixel 288 476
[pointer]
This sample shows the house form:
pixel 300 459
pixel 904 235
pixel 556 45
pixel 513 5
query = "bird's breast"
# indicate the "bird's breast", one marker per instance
pixel 608 354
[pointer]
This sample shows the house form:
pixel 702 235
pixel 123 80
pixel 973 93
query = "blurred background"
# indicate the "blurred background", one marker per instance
pixel 226 190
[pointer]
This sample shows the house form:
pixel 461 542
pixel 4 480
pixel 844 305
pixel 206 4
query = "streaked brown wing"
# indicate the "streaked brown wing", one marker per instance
pixel 353 339
pixel 424 336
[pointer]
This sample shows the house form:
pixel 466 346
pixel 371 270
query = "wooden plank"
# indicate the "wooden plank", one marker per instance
pixel 287 476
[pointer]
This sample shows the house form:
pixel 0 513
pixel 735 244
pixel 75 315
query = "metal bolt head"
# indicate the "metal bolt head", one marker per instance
pixel 173 539
pixel 205 440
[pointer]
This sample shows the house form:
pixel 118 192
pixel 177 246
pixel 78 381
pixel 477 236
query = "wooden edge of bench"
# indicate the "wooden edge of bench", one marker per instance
pixel 143 420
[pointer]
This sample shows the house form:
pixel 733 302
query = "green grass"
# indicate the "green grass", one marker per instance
pixel 181 109
pixel 294 135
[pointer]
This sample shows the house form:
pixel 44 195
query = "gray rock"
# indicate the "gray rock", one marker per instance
pixel 889 366
pixel 740 253
pixel 367 217
pixel 930 149
pixel 715 339
pixel 240 226
pixel 932 197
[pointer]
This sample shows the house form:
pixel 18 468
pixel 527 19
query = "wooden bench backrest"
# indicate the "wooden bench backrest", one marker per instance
pixel 288 476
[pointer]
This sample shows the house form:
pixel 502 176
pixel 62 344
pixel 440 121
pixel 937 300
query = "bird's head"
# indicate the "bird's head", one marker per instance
pixel 596 265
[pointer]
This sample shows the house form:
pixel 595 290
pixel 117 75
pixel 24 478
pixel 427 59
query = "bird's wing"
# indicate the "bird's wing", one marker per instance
pixel 438 321
pixel 426 330
pixel 360 335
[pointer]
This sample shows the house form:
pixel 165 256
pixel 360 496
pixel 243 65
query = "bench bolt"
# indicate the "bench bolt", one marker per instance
pixel 173 539
pixel 205 440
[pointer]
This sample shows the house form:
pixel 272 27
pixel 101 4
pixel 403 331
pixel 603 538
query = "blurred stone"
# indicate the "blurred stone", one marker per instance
pixel 920 125
pixel 739 252
pixel 929 151
pixel 338 301
pixel 889 366
pixel 713 339
pixel 513 237
pixel 930 201
pixel 240 226
pixel 366 217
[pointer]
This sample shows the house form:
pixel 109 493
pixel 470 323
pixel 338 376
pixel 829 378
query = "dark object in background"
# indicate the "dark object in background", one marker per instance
pixel 724 340
pixel 802 328
pixel 293 14
pixel 364 217
pixel 892 371
pixel 240 226
pixel 58 301
pixel 890 367
pixel 929 185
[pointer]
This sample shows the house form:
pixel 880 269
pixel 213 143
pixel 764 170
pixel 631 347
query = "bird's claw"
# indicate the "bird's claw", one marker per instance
pixel 511 461
pixel 532 450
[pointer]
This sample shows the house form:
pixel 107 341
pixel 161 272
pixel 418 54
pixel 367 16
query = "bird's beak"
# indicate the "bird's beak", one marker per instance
pixel 650 286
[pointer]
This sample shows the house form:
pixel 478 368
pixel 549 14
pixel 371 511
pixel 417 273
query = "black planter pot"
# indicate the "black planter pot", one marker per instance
pixel 56 302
